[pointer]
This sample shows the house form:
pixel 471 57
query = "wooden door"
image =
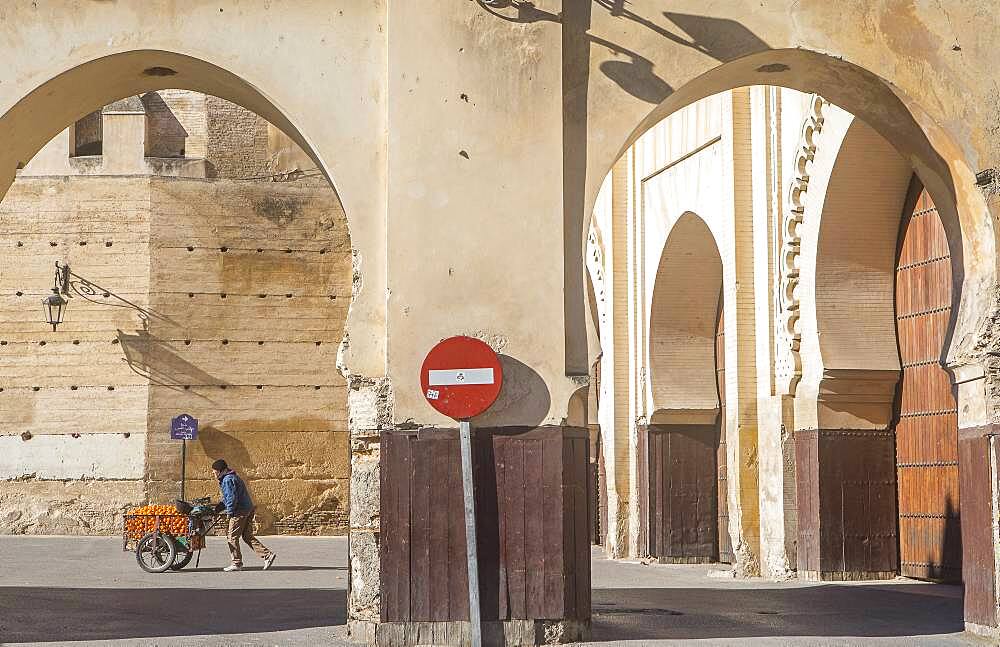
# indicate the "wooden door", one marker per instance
pixel 725 543
pixel 930 542
pixel 682 508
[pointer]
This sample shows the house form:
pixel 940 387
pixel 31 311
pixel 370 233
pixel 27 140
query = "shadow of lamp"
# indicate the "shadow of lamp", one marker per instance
pixel 67 283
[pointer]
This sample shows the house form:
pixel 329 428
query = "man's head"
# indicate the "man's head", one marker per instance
pixel 220 467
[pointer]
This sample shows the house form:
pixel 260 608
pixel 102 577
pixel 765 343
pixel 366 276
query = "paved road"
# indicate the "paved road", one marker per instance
pixel 57 590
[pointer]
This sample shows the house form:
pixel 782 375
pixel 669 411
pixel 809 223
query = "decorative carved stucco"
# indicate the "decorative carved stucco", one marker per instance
pixel 595 263
pixel 788 337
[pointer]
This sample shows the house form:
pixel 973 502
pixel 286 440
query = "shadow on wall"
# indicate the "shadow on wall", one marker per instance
pixel 152 358
pixel 524 398
pixel 168 137
pixel 219 444
pixel 721 39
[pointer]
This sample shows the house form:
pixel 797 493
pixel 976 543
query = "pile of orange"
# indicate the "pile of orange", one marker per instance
pixel 142 520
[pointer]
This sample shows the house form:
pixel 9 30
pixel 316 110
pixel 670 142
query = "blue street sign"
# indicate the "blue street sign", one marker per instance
pixel 184 427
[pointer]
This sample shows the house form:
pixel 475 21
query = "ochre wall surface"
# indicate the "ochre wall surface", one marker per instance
pixel 258 371
pixel 72 446
pixel 270 275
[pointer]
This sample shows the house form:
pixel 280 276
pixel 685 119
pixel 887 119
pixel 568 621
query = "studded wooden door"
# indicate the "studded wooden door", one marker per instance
pixel 930 543
pixel 725 543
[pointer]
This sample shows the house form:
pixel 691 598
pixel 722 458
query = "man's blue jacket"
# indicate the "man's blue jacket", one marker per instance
pixel 234 494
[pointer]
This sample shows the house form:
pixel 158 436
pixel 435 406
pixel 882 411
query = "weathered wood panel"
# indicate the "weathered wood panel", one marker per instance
pixel 533 511
pixel 930 538
pixel 683 518
pixel 978 563
pixel 847 504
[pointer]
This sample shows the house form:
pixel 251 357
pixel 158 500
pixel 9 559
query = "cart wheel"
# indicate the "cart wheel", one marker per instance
pixel 183 558
pixel 155 553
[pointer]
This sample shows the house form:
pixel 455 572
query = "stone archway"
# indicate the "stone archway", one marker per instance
pixel 928 148
pixel 850 362
pixel 36 117
pixel 678 485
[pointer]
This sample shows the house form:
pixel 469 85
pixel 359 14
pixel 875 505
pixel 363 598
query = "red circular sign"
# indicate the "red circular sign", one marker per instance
pixel 461 377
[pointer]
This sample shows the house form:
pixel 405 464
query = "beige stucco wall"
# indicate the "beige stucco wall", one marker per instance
pixel 484 147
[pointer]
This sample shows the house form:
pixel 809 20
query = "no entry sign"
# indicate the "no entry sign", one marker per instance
pixel 461 377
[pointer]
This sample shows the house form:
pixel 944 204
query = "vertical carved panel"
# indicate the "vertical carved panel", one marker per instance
pixel 788 336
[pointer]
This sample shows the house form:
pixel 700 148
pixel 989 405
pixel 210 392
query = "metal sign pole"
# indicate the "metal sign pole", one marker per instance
pixel 183 464
pixel 470 532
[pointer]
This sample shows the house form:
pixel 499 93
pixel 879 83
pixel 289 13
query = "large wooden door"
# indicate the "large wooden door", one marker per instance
pixel 725 543
pixel 682 493
pixel 930 543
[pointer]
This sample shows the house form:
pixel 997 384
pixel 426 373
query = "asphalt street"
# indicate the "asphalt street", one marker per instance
pixel 86 591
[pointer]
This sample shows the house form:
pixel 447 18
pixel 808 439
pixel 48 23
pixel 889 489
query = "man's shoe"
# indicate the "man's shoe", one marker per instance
pixel 268 561
pixel 232 567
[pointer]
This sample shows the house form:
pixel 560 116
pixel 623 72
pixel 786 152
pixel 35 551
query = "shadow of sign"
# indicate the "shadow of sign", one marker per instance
pixel 524 398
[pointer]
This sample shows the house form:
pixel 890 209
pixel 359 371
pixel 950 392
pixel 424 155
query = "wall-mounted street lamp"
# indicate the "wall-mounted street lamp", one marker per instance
pixel 55 307
pixel 55 304
pixel 67 284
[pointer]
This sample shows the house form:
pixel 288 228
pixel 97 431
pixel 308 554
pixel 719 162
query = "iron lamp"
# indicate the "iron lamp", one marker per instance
pixel 54 306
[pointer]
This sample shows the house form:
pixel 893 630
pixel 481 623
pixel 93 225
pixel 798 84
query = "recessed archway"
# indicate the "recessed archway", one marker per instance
pixel 678 449
pixel 40 115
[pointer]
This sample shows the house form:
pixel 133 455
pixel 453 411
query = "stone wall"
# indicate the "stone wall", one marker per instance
pixel 254 280
pixel 87 135
pixel 246 287
pixel 237 141
pixel 72 441
pixel 176 123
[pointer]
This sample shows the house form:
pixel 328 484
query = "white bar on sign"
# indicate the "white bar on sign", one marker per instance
pixel 457 376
